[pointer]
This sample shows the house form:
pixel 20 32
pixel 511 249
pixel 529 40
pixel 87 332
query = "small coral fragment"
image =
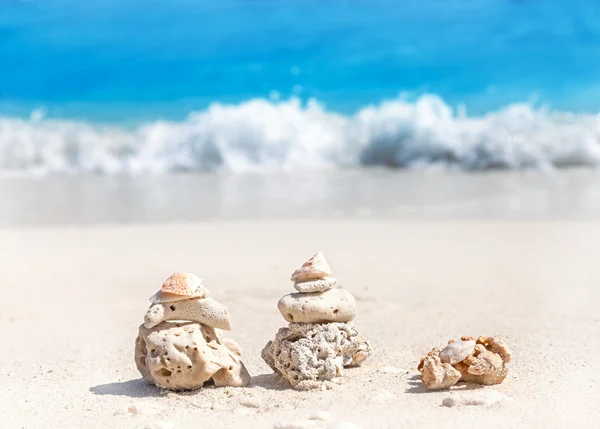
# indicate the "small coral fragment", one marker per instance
pixel 481 361
pixel 437 375
pixel 483 367
pixel 496 345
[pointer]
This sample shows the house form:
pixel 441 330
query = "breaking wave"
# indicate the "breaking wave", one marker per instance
pixel 261 135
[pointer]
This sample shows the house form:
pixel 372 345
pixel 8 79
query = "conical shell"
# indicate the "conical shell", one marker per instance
pixel 178 287
pixel 315 268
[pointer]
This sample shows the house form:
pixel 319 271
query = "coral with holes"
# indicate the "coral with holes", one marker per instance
pixel 203 310
pixel 185 355
pixel 436 374
pixel 332 305
pixel 307 355
pixel 483 361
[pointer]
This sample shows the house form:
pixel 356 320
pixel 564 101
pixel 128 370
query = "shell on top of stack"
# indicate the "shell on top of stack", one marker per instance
pixel 178 287
pixel 313 275
pixel 178 346
pixel 183 297
pixel 320 339
pixel 319 299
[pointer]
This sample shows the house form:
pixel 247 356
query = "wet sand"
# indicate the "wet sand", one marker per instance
pixel 346 194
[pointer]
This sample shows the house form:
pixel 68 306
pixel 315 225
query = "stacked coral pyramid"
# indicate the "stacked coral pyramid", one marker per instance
pixel 320 339
pixel 178 347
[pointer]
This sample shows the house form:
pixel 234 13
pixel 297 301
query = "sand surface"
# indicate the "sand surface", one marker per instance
pixel 73 297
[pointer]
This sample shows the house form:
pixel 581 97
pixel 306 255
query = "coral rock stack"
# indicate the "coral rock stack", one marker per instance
pixel 320 339
pixel 178 347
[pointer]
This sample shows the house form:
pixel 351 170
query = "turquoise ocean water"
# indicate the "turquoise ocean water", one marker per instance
pixel 242 85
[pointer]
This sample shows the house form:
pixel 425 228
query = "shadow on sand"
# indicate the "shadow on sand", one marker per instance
pixel 139 388
pixel 269 381
pixel 417 387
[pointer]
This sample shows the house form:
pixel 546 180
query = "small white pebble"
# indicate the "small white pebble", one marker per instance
pixel 250 403
pixel 159 425
pixel 345 425
pixel 320 415
pixel 121 411
pixel 139 409
pixel 483 398
pixel 450 401
pixel 218 406
pixel 381 396
pixel 393 370
pixel 296 424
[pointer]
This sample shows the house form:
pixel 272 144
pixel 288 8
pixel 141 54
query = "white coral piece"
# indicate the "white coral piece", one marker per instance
pixel 437 375
pixel 308 354
pixel 482 361
pixel 203 310
pixel 182 356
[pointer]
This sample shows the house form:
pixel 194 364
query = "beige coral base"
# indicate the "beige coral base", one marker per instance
pixel 184 356
pixel 66 354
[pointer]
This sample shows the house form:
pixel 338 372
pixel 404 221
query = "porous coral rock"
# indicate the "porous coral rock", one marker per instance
pixel 308 354
pixel 183 356
pixel 203 310
pixel 355 352
pixel 495 345
pixel 232 345
pixel 437 375
pixel 483 367
pixel 486 364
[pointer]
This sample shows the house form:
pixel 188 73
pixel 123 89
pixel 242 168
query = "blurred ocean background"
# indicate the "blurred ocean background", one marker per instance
pixel 131 88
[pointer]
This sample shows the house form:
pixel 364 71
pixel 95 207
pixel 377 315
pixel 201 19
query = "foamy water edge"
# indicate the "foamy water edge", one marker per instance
pixel 263 135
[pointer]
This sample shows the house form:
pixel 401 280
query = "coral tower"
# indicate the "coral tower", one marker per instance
pixel 320 340
pixel 178 347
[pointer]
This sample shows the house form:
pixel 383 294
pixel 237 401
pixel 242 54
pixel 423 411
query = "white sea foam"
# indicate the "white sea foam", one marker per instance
pixel 262 135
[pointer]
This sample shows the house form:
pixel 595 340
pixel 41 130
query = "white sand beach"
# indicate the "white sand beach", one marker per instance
pixel 74 296
pixel 444 156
